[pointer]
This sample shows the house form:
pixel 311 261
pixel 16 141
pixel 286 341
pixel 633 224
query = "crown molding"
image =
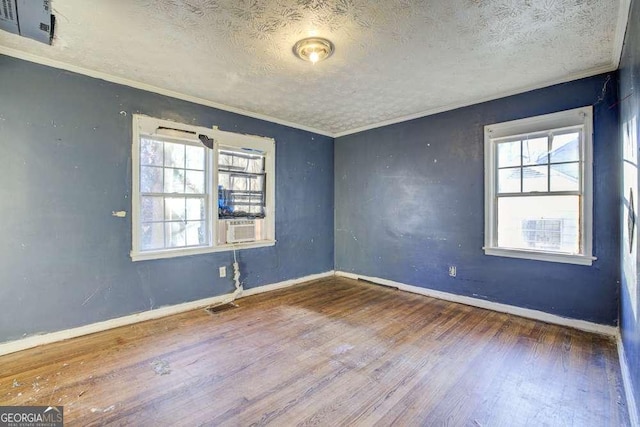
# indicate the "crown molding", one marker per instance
pixel 621 29
pixel 150 88
pixel 575 76
pixel 623 16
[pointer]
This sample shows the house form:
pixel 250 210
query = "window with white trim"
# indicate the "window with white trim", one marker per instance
pixel 538 187
pixel 199 190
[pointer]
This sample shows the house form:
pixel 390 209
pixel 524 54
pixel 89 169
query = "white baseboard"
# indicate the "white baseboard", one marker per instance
pixel 628 384
pixel 489 305
pixel 285 284
pixel 48 338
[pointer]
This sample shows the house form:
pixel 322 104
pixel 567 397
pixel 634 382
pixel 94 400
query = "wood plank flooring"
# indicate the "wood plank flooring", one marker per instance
pixel 332 352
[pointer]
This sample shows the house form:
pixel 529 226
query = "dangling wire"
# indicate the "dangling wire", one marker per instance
pixel 236 275
pixel 238 284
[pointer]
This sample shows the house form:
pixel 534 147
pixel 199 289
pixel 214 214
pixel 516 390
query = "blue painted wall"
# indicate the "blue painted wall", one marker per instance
pixel 410 203
pixel 65 164
pixel 629 93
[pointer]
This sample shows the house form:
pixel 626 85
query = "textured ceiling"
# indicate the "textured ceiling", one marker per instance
pixel 393 58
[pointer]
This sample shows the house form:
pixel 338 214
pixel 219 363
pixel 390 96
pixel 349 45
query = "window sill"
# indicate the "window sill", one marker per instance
pixel 174 253
pixel 541 256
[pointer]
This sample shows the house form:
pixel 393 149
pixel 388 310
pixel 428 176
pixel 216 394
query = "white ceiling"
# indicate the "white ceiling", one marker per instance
pixel 394 59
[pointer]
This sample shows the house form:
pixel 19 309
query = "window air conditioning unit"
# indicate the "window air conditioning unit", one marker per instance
pixel 241 230
pixel 29 18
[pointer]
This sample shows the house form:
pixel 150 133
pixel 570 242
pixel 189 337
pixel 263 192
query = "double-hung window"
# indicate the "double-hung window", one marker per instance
pixel 538 187
pixel 199 190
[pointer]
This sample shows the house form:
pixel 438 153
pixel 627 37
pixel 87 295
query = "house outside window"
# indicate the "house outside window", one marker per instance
pixel 538 187
pixel 199 190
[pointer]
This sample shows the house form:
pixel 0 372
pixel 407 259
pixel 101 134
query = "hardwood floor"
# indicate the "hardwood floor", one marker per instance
pixel 333 352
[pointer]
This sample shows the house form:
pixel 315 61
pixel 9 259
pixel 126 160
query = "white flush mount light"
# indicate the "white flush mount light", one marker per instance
pixel 313 49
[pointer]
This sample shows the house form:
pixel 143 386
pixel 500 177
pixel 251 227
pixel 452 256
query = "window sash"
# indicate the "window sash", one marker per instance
pixel 204 196
pixel 549 134
pixel 548 214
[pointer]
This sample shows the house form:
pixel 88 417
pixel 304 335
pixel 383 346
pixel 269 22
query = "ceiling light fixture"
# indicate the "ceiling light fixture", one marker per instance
pixel 313 49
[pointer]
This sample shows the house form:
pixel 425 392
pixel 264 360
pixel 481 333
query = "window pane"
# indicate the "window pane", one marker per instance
pixel 195 182
pixel 196 233
pixel 565 177
pixel 151 209
pixel 545 223
pixel 565 148
pixel 150 179
pixel 256 164
pixel 225 208
pixel 223 180
pixel 195 157
pixel 174 155
pixel 257 183
pixel 231 160
pixel 176 234
pixel 239 182
pixel 150 152
pixel 509 180
pixel 256 210
pixel 195 209
pixel 224 159
pixel 152 236
pixel 174 208
pixel 535 178
pixel 174 180
pixel 535 151
pixel 509 154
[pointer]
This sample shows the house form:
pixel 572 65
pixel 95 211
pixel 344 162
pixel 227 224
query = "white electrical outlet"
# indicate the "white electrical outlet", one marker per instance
pixel 452 270
pixel 223 271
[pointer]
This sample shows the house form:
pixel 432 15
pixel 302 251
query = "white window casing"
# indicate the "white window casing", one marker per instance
pixel 526 131
pixel 211 240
